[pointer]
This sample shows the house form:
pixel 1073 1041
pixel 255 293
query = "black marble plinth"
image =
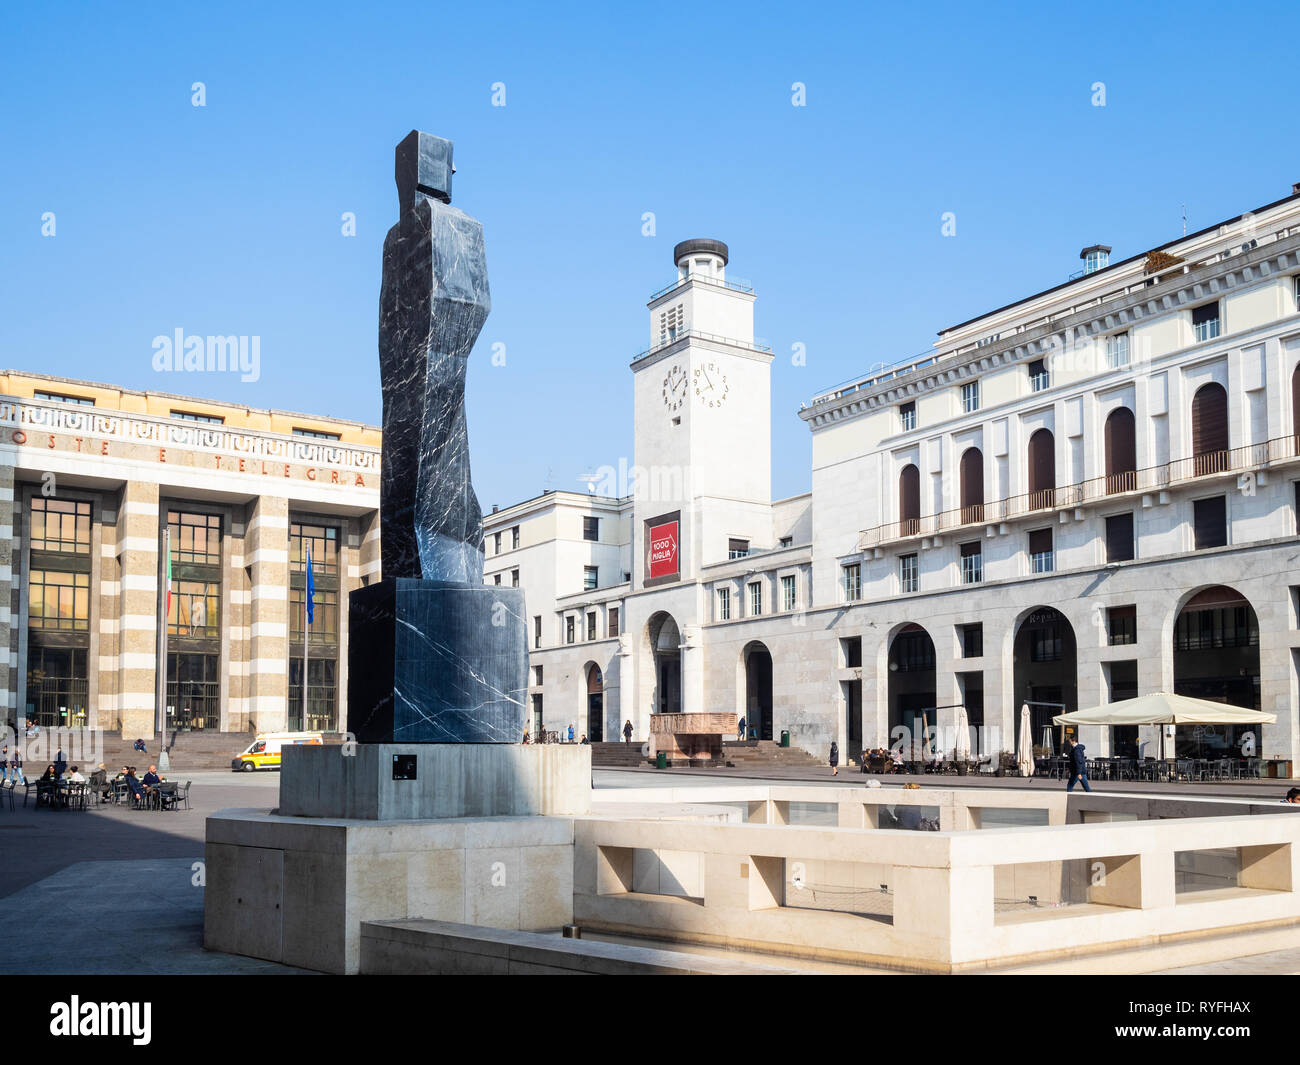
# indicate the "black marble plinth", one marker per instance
pixel 436 662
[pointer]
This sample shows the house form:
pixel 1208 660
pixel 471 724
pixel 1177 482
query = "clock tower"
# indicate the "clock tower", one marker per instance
pixel 702 422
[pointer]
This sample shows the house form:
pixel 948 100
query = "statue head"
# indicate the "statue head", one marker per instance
pixel 423 165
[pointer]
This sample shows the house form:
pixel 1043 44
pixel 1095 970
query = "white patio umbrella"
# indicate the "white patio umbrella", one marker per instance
pixel 1164 708
pixel 961 751
pixel 1025 760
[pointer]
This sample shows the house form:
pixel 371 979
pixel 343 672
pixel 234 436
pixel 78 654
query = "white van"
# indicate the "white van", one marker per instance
pixel 264 752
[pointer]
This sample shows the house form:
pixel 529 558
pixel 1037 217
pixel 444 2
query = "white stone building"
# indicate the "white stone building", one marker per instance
pixel 1084 495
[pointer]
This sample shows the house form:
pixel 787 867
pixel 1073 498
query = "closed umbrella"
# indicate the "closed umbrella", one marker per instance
pixel 961 750
pixel 1025 760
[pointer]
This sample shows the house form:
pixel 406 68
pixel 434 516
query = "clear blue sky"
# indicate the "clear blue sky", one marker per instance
pixel 225 219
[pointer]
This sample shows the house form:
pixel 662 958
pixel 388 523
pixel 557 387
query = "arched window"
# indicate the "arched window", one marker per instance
pixel 1295 409
pixel 1121 451
pixel 972 485
pixel 1210 429
pixel 909 501
pixel 1042 469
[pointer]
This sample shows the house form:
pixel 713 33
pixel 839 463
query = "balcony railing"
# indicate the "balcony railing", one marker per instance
pixel 699 334
pixel 1152 479
pixel 735 284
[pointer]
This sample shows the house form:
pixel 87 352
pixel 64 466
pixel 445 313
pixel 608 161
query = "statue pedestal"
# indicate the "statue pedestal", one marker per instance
pixel 424 781
pixel 437 662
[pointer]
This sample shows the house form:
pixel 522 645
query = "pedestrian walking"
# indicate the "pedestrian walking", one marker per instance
pixel 627 731
pixel 740 728
pixel 835 759
pixel 570 731
pixel 1078 765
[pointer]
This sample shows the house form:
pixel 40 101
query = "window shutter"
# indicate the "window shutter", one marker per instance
pixel 1040 541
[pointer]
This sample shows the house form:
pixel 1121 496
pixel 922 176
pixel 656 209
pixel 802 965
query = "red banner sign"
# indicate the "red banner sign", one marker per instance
pixel 663 550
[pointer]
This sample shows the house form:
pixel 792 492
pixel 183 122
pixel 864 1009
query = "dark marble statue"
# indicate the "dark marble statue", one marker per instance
pixel 434 655
pixel 432 305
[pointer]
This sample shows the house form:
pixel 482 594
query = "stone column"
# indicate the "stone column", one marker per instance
pixel 266 556
pixel 138 606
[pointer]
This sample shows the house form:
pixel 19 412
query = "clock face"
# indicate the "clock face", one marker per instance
pixel 674 387
pixel 710 385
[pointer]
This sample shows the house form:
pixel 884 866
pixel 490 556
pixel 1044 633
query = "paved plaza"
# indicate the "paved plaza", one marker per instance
pixel 114 889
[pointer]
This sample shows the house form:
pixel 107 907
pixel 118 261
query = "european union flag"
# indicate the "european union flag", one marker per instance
pixel 311 591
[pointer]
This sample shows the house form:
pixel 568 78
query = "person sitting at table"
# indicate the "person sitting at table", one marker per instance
pixel 151 778
pixel 49 776
pixel 74 776
pixel 1293 797
pixel 133 783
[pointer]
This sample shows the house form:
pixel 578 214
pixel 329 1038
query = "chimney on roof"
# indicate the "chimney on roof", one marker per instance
pixel 1295 188
pixel 494 508
pixel 1095 257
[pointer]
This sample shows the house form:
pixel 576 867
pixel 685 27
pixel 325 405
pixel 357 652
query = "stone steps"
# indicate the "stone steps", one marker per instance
pixel 616 754
pixel 766 753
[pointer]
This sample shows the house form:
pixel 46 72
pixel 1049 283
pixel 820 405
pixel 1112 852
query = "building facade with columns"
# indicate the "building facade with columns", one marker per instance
pixel 96 481
pixel 1088 494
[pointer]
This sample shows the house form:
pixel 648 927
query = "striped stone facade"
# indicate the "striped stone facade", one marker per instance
pixel 133 465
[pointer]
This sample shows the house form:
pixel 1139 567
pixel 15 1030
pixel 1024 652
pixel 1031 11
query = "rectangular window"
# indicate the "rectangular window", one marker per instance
pixel 568 629
pixel 59 601
pixel 591 626
pixel 787 592
pixel 785 541
pixel 1210 522
pixel 537 676
pixel 315 434
pixel 321 540
pixel 737 548
pixel 1121 625
pixel 590 577
pixel 755 599
pixel 970 397
pixel 612 622
pixel 60 397
pixel 852 582
pixel 197 538
pixel 590 528
pixel 324 614
pixel 514 578
pixel 972 562
pixel 908 574
pixel 972 640
pixel 724 604
pixel 1119 538
pixel 514 536
pixel 1117 351
pixel 1041 555
pixel 196 609
pixel 60 525
pixel 496 579
pixel 851 651
pixel 1205 321
pixel 907 416
pixel 496 543
pixel 188 416
pixel 1039 378
pixel 537 630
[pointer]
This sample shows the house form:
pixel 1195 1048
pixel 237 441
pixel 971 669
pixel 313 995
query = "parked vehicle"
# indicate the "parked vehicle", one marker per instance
pixel 264 752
